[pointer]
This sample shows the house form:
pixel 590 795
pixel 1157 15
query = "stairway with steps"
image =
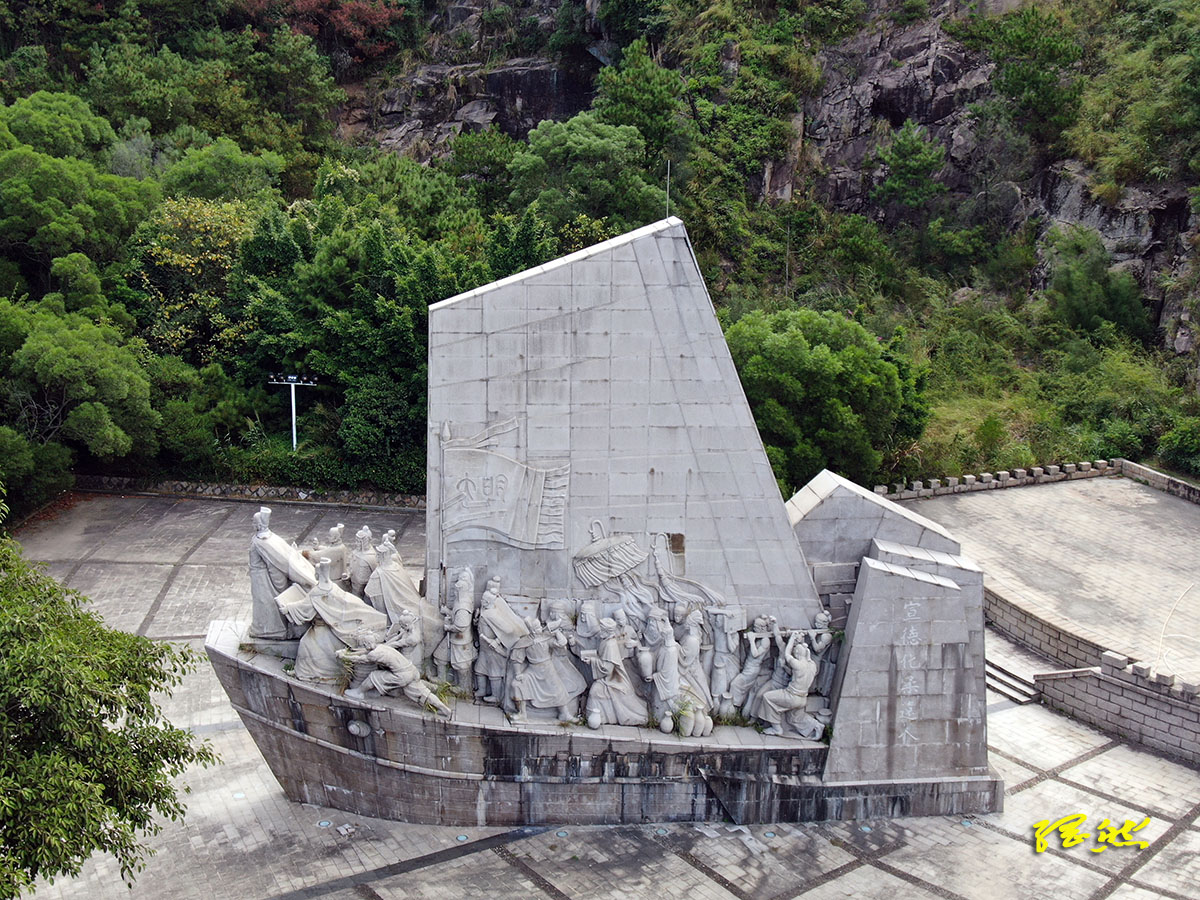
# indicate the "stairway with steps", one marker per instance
pixel 1008 684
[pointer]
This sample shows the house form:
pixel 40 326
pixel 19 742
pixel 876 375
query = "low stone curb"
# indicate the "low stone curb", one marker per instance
pixel 219 491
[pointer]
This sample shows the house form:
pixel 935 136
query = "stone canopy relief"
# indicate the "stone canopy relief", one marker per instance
pixel 608 556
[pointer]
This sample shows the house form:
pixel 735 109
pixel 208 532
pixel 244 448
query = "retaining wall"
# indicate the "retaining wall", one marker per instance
pixel 220 491
pixel 1046 633
pixel 1133 700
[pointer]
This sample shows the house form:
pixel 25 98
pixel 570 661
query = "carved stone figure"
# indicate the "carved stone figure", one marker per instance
pixel 538 677
pixel 658 659
pixel 393 671
pixel 405 635
pixel 390 589
pixel 776 678
pixel 695 712
pixel 336 616
pixel 758 646
pixel 820 639
pixel 457 652
pixel 626 632
pixel 612 700
pixel 362 561
pixel 500 629
pixel 334 549
pixel 726 623
pixel 275 565
pixel 783 709
pixel 587 628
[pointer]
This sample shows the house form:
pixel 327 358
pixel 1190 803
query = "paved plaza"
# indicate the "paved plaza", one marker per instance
pixel 164 567
pixel 1119 559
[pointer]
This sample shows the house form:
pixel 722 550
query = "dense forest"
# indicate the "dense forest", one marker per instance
pixel 921 271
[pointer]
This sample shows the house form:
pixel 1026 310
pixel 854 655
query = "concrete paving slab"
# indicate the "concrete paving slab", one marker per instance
pixel 1109 553
pixel 242 839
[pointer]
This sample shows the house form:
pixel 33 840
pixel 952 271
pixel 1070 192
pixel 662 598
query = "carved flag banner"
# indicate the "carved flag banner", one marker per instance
pixel 516 503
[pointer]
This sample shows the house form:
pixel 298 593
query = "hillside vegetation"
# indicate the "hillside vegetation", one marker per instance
pixel 179 219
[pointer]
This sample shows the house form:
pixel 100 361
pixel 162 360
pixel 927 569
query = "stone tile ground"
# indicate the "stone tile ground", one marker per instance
pixel 1110 554
pixel 243 839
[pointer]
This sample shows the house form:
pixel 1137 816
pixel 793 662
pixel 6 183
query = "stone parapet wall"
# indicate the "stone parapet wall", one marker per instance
pixel 220 491
pixel 1045 632
pixel 990 481
pixel 1160 481
pixel 1152 707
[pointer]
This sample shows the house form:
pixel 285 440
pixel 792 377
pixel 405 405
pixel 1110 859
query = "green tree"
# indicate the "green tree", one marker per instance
pixel 183 257
pixel 87 759
pixel 912 160
pixel 586 166
pixel 1035 53
pixel 1085 293
pixel 641 93
pixel 481 159
pixel 52 207
pixel 71 380
pixel 824 393
pixel 222 171
pixel 59 125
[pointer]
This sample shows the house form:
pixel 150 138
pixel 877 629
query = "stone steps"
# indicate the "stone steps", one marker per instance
pixel 1008 684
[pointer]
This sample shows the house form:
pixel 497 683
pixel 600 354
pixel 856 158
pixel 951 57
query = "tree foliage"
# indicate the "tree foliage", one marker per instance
pixel 87 759
pixel 824 393
pixel 559 170
pixel 1035 54
pixel 912 160
pixel 60 125
pixel 1086 293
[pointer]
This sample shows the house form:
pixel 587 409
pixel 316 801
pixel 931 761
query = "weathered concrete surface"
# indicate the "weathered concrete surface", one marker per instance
pixel 599 387
pixel 243 839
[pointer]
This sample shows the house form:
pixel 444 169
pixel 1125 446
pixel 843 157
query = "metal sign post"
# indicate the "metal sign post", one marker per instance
pixel 292 381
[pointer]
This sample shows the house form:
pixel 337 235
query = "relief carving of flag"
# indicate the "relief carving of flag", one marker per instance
pixel 517 503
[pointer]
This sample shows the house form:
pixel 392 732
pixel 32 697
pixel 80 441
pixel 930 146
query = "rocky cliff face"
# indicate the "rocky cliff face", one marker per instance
pixel 886 74
pixel 463 88
pixel 420 112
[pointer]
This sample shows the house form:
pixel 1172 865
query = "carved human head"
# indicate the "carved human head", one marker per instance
pixel 262 520
pixel 695 619
pixel 367 638
pixel 822 620
pixel 363 537
pixel 658 627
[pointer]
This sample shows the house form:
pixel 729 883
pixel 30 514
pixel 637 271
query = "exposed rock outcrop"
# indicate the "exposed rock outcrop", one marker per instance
pixel 885 75
pixel 419 113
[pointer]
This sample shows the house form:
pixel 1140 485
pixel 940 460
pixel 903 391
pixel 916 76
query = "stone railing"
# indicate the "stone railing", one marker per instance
pixel 1135 700
pixel 987 481
pixel 217 491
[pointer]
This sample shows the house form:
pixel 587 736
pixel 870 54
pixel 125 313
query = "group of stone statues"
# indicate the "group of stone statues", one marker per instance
pixel 641 651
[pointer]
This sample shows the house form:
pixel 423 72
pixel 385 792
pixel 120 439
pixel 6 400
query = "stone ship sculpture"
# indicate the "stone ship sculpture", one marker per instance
pixel 620 620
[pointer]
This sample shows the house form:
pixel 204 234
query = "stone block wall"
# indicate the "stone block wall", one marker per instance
pixel 388 759
pixel 1154 708
pixel 1046 633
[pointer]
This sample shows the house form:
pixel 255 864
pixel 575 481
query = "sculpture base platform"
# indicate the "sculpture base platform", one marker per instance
pixel 477 768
